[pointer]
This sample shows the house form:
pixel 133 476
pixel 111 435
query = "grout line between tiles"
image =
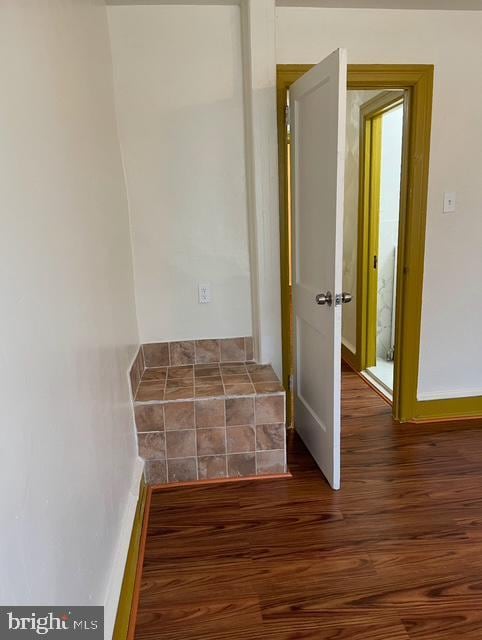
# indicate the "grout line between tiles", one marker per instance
pixel 225 439
pixel 195 442
pixel 216 455
pixel 255 438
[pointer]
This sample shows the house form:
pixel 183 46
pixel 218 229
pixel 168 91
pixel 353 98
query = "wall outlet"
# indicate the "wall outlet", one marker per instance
pixel 204 293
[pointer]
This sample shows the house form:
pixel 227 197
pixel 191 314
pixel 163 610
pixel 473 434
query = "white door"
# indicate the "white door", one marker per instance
pixel 317 118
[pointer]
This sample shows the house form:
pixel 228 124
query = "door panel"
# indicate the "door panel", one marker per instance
pixel 318 106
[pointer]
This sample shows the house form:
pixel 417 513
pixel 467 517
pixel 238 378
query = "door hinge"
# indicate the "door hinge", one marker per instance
pixel 287 116
pixel 290 382
pixel 375 262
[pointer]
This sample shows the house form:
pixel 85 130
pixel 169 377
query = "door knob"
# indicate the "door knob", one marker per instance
pixel 324 298
pixel 346 297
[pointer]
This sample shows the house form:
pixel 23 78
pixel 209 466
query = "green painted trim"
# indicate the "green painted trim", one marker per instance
pixel 371 113
pixel 450 408
pixel 411 251
pixel 417 80
pixel 126 598
pixel 373 149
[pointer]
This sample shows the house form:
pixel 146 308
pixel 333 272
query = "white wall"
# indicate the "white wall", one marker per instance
pixel 179 91
pixel 451 349
pixel 68 327
pixel 350 220
pixel 258 44
pixel 391 160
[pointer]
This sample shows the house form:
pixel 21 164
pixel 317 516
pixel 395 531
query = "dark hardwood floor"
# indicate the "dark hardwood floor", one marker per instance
pixel 396 554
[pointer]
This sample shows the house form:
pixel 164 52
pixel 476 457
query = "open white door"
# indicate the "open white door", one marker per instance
pixel 317 119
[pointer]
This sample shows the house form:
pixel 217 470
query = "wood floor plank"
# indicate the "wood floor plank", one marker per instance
pixel 443 625
pixel 396 554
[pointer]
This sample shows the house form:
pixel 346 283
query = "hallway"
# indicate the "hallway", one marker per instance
pixel 395 555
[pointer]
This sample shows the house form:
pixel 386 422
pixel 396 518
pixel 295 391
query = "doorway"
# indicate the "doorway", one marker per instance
pixel 415 83
pixel 376 129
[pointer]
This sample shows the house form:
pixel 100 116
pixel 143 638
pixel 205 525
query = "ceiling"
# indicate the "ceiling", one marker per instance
pixel 453 5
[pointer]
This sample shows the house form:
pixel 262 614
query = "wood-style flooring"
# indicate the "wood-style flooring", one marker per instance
pixel 396 554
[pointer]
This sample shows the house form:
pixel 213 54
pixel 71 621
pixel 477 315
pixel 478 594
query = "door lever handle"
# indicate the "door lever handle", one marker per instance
pixel 324 298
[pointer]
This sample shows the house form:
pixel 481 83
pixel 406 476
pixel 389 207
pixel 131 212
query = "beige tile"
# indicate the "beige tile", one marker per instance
pixel 179 393
pixel 179 415
pixel 268 387
pixel 180 444
pixel 156 373
pixel 155 471
pixel 266 374
pixel 248 346
pixel 239 411
pixel 152 445
pixel 237 378
pixel 268 462
pixel 136 372
pixel 232 350
pixel 211 467
pixel 150 390
pixel 149 417
pixel 140 358
pixel 156 354
pixel 181 372
pixel 206 370
pixel 211 441
pixel 270 409
pixel 176 383
pixel 207 351
pixel 134 379
pixel 182 470
pixel 241 465
pixel 182 352
pixel 239 389
pixel 255 366
pixel 210 413
pixel 203 381
pixel 270 436
pixel 240 439
pixel 209 390
pixel 233 369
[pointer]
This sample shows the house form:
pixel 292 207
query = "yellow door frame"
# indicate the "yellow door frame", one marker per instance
pixel 371 114
pixel 417 82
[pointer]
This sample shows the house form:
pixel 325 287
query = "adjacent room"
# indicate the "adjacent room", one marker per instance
pixel 372 202
pixel 242 390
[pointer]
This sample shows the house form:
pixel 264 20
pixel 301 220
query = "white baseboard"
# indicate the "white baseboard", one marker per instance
pixel 120 556
pixel 449 395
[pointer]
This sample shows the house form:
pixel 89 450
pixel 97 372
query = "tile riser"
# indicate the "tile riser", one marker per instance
pixel 215 438
pixel 207 420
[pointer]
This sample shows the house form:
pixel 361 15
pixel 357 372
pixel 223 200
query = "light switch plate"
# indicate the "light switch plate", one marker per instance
pixel 450 201
pixel 204 293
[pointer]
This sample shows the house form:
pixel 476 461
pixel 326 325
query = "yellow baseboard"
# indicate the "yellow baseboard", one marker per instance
pixel 128 600
pixel 448 409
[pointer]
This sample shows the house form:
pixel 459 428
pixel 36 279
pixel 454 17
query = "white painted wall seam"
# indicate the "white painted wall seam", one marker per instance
pixel 259 36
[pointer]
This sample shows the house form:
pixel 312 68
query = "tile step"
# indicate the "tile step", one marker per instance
pixel 206 422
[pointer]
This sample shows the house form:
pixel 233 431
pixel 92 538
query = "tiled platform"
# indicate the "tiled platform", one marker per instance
pixel 206 381
pixel 208 421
